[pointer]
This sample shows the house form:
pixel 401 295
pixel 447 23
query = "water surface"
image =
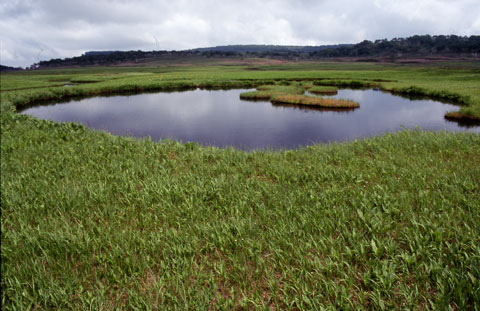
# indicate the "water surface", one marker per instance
pixel 221 119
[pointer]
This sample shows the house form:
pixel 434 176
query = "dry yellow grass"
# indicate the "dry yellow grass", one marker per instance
pixel 314 101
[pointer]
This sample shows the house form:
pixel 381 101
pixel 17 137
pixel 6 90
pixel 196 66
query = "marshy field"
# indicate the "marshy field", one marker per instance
pixel 385 221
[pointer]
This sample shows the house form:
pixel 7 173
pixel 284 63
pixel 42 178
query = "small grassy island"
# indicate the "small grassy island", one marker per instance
pixel 323 90
pixel 310 101
pixel 266 92
pixel 293 95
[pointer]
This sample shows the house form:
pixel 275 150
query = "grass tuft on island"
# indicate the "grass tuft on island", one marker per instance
pixel 266 92
pixel 303 100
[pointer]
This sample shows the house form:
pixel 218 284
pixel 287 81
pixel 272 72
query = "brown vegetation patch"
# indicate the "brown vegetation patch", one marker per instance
pixel 458 116
pixel 303 100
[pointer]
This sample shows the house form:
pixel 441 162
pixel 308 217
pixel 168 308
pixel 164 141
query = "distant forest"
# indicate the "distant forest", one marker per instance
pixel 8 68
pixel 397 48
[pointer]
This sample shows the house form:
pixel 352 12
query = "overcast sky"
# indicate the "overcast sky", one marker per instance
pixel 33 30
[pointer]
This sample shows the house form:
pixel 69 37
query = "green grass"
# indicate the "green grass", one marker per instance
pixel 267 92
pixel 95 221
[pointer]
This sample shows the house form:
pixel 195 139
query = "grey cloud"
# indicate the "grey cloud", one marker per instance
pixel 68 28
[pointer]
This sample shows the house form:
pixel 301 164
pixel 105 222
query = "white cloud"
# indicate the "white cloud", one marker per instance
pixel 53 28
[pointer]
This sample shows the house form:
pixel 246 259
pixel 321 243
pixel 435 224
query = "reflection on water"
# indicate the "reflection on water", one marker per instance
pixel 220 118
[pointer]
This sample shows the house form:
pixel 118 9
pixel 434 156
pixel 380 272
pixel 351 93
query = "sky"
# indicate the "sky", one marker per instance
pixel 34 30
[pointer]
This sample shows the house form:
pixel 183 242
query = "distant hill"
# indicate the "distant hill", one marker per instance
pixel 424 46
pixel 93 58
pixel 407 47
pixel 95 53
pixel 8 68
pixel 256 48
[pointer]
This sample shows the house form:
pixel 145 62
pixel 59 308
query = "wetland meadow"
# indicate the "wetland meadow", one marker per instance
pixel 369 199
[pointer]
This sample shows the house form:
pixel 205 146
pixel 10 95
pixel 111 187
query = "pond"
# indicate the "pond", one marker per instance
pixel 221 119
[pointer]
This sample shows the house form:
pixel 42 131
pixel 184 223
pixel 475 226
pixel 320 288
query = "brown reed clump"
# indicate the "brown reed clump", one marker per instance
pixel 303 100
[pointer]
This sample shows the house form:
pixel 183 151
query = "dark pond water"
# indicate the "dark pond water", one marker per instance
pixel 221 119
